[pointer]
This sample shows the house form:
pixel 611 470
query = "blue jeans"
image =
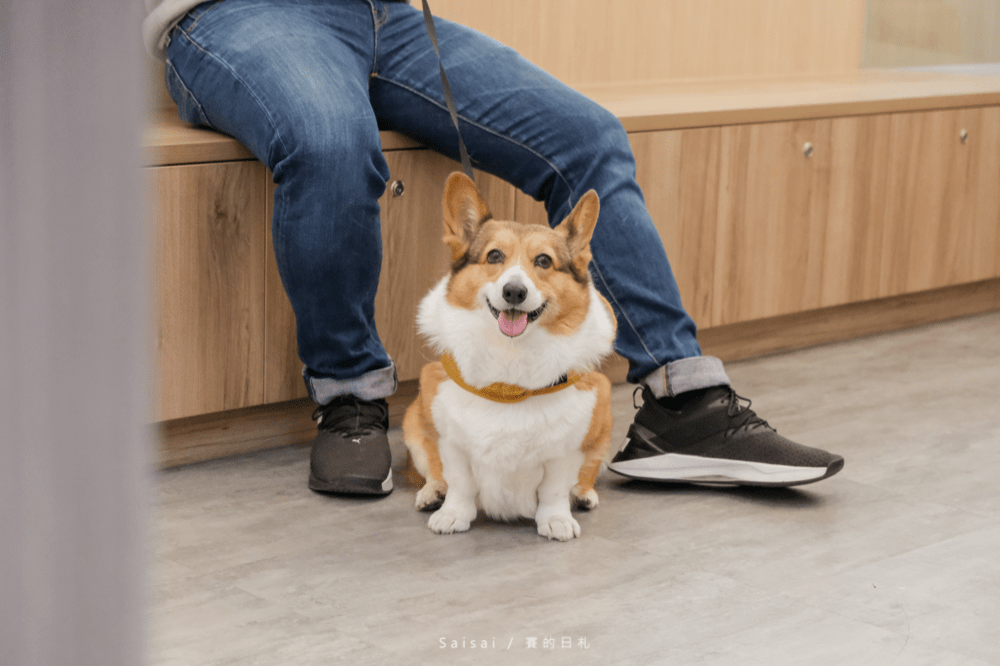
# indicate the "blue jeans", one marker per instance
pixel 306 85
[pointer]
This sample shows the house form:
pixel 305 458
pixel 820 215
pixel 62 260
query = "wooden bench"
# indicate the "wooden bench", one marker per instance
pixel 797 209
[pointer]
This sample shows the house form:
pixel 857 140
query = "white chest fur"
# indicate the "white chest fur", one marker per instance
pixel 506 446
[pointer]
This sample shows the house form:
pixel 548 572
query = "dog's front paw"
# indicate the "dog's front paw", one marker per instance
pixel 431 495
pixel 448 521
pixel 560 528
pixel 585 501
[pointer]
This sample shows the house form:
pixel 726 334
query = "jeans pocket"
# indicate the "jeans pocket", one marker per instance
pixel 188 107
pixel 196 13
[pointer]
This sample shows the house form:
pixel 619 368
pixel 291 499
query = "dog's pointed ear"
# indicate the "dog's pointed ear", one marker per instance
pixel 464 212
pixel 578 229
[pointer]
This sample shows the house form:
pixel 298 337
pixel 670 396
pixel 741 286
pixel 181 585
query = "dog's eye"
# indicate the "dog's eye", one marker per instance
pixel 543 261
pixel 494 257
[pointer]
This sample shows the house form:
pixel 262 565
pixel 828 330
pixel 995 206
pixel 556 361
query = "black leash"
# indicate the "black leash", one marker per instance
pixel 449 99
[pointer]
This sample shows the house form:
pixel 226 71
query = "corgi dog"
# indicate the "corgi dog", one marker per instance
pixel 514 418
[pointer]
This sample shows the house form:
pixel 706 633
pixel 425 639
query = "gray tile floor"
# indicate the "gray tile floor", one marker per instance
pixel 893 561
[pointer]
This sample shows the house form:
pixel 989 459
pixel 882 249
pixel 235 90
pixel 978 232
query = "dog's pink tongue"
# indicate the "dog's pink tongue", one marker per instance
pixel 513 327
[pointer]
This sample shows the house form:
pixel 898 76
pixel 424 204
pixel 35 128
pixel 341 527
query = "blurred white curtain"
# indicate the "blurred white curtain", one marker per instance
pixel 75 479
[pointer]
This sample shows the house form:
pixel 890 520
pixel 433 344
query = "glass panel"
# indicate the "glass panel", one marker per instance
pixel 922 33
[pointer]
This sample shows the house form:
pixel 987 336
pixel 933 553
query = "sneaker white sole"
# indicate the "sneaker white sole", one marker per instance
pixel 695 469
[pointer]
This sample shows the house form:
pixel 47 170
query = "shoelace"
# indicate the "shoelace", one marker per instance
pixel 350 415
pixel 742 417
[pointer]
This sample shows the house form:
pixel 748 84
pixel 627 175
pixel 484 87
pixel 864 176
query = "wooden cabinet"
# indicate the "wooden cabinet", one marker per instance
pixel 759 220
pixel 774 185
pixel 942 211
pixel 851 261
pixel 770 219
pixel 747 212
pixel 210 256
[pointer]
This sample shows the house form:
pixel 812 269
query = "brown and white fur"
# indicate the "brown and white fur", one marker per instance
pixel 523 459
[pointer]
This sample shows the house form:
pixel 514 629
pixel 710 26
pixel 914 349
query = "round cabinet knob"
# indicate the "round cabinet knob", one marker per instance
pixel 397 188
pixel 963 136
pixel 807 150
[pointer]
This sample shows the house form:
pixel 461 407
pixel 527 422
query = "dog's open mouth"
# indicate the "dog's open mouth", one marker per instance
pixel 513 322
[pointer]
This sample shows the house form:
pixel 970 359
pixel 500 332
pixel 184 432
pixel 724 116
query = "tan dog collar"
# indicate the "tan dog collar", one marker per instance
pixel 500 392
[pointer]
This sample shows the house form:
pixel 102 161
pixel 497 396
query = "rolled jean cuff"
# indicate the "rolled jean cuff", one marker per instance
pixel 686 374
pixel 373 385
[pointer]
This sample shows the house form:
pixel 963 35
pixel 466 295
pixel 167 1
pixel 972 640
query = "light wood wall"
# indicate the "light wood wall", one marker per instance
pixel 607 41
pixel 583 42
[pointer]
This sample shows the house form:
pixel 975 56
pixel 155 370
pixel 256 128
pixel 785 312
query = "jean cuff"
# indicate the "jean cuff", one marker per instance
pixel 373 385
pixel 686 374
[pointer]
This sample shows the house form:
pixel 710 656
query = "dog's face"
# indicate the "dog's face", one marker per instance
pixel 518 276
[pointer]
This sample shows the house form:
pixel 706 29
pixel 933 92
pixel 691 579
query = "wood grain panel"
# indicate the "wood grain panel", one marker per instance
pixel 922 194
pixel 529 211
pixel 772 210
pixel 851 320
pixel 679 173
pixel 246 430
pixel 210 231
pixel 236 432
pixel 941 216
pixel 596 41
pixel 169 140
pixel 852 241
pixel 416 257
pixel 979 250
pixel 644 106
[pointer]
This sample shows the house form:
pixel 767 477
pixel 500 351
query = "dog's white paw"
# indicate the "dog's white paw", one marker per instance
pixel 558 527
pixel 448 521
pixel 585 501
pixel 431 496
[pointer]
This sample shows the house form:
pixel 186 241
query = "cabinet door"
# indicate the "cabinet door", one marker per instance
pixel 981 243
pixel 678 172
pixel 941 217
pixel 773 200
pixel 210 242
pixel 755 225
pixel 414 256
pixel 852 221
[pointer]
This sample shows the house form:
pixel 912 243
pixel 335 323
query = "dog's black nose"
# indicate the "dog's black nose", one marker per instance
pixel 514 293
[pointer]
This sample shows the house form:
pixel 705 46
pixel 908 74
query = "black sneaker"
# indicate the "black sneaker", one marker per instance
pixel 708 437
pixel 351 451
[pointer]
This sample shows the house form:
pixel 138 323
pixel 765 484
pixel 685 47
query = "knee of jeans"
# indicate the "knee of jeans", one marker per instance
pixel 597 137
pixel 609 134
pixel 348 152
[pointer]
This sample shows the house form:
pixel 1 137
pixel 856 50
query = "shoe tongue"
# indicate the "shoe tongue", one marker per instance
pixel 513 322
pixel 352 416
